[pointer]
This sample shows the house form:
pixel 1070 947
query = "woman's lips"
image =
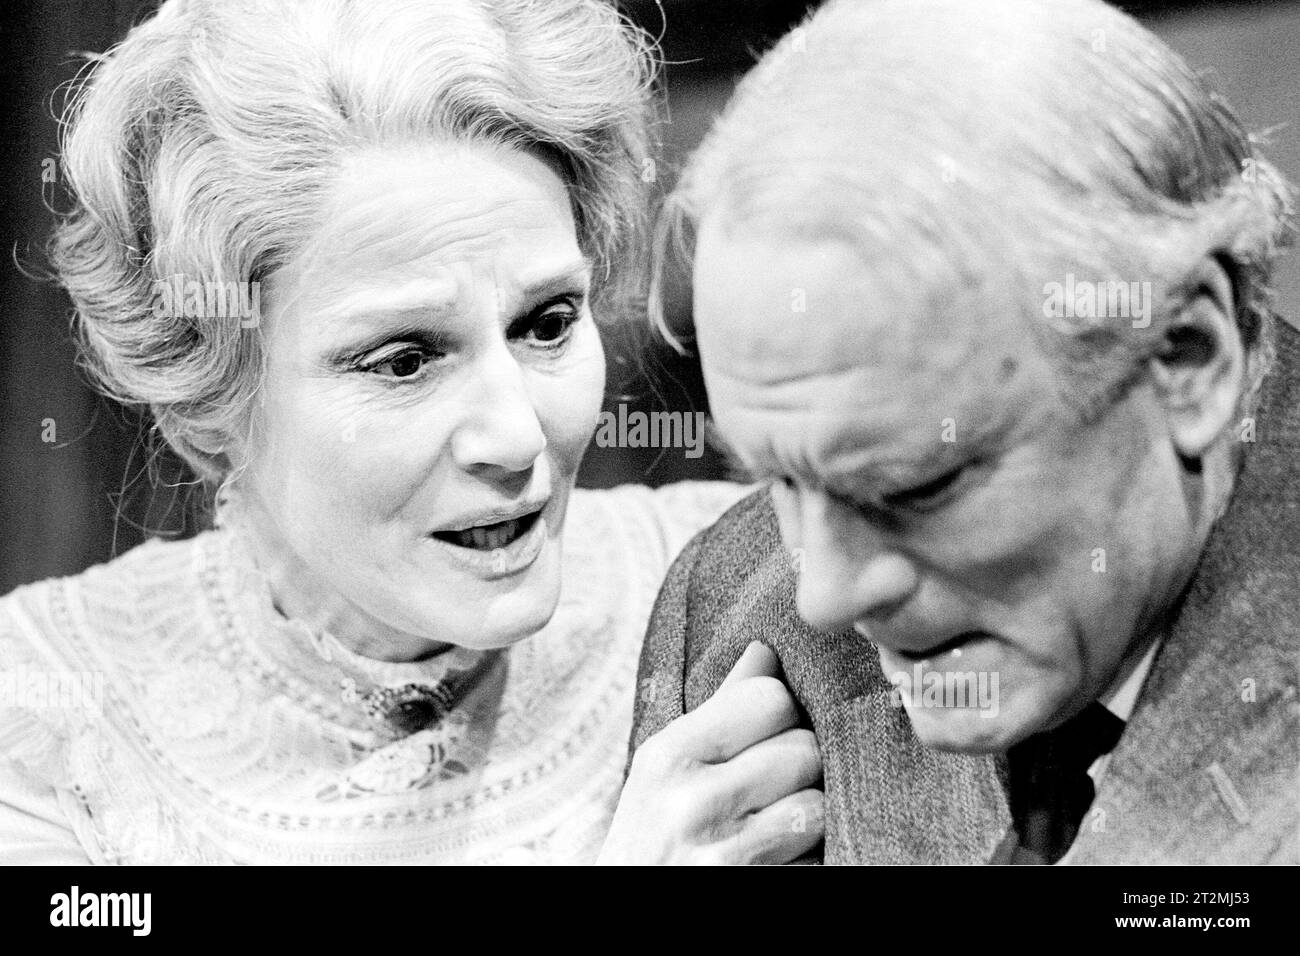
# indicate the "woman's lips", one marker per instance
pixel 497 515
pixel 498 549
pixel 488 537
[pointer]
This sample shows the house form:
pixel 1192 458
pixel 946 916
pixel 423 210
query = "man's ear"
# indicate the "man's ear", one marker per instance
pixel 1201 364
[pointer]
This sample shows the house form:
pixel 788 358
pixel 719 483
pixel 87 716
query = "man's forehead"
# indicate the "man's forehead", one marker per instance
pixel 849 424
pixel 818 304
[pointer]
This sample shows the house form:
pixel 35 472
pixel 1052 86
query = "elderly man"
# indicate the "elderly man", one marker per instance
pixel 981 289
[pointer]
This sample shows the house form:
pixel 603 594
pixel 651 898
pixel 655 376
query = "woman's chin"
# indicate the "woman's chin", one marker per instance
pixel 499 611
pixel 505 630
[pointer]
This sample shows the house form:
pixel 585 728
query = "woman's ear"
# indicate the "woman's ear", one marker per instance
pixel 1200 367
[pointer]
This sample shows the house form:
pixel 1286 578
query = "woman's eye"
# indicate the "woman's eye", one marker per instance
pixel 552 327
pixel 405 364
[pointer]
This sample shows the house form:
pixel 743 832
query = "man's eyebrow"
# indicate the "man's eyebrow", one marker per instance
pixel 919 465
pixel 766 465
pixel 870 469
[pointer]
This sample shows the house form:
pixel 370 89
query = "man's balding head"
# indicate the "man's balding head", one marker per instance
pixel 981 287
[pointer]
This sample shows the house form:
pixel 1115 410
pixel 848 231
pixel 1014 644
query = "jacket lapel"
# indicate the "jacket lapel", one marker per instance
pixel 891 800
pixel 888 798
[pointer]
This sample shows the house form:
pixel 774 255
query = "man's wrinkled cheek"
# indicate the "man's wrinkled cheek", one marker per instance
pixel 1106 461
pixel 1019 561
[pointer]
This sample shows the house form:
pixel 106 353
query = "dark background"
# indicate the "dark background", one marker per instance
pixel 98 489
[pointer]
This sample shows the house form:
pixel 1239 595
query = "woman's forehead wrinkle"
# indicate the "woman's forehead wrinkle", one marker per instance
pixel 374 284
pixel 561 268
pixel 366 216
pixel 400 273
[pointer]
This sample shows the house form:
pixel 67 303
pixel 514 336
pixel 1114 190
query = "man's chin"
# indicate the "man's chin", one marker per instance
pixel 967 730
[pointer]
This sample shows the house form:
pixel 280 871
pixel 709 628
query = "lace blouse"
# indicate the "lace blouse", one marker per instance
pixel 158 709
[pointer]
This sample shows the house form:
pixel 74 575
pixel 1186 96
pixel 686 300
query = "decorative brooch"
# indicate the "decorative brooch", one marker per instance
pixel 404 709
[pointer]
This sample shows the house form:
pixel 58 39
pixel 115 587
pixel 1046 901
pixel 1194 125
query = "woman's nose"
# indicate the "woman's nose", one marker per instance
pixel 846 573
pixel 501 428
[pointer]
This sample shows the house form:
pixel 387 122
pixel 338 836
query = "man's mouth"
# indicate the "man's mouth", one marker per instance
pixel 493 535
pixel 952 644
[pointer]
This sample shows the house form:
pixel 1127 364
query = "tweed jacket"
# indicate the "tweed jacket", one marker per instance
pixel 1207 770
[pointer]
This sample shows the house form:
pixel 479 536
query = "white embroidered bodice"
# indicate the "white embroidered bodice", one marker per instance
pixel 228 734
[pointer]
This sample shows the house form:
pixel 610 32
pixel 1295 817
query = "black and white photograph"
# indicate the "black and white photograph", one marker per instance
pixel 652 432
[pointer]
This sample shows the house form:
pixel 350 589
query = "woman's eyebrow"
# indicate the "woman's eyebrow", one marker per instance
pixel 349 351
pixel 565 278
pixel 411 302
pixel 426 306
pixel 358 331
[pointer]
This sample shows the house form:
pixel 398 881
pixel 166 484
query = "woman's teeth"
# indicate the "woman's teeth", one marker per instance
pixel 489 537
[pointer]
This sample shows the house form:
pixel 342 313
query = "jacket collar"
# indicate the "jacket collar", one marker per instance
pixel 1207 768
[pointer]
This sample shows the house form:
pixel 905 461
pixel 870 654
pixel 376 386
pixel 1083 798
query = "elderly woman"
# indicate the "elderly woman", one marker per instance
pixel 349 255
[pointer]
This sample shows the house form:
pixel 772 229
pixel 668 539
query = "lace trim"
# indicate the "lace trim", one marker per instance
pixel 553 756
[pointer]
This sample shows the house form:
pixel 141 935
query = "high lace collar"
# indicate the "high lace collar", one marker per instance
pixel 311 664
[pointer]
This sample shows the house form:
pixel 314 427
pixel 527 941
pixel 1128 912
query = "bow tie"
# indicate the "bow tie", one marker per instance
pixel 1050 790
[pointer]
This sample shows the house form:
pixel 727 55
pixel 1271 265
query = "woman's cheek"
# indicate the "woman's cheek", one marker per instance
pixel 356 452
pixel 573 399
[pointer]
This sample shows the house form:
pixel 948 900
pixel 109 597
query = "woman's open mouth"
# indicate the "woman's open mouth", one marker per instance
pixel 496 548
pixel 489 537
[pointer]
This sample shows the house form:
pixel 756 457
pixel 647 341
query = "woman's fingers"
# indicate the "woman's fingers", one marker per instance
pixel 729 782
pixel 758 660
pixel 773 769
pixel 782 832
pixel 736 717
pixel 751 704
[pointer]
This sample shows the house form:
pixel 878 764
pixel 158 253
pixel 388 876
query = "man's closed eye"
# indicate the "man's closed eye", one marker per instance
pixel 930 495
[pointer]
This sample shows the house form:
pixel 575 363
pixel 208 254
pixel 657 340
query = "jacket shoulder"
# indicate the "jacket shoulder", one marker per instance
pixel 735 547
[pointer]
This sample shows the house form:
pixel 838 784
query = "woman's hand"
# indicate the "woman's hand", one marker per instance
pixel 733 781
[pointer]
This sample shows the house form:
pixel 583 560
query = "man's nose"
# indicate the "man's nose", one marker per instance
pixel 847 572
pixel 500 428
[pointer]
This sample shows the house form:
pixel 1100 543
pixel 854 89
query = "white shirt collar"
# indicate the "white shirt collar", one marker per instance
pixel 1121 697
